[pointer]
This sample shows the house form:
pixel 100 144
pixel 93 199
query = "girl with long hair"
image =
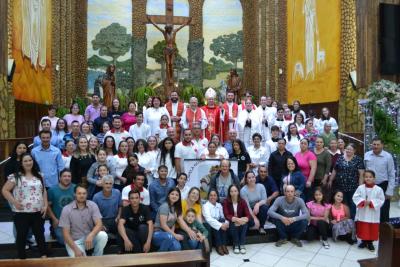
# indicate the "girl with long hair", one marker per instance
pixel 166 157
pixel 81 161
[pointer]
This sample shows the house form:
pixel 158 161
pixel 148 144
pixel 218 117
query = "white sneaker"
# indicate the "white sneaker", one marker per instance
pixel 242 250
pixel 325 244
pixel 236 250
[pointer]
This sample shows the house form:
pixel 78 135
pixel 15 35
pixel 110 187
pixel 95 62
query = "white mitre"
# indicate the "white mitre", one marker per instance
pixel 210 93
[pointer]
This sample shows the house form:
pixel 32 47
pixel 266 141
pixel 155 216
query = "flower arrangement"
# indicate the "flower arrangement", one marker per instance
pixel 384 101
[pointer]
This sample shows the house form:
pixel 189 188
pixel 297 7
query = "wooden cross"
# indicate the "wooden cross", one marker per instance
pixel 169 17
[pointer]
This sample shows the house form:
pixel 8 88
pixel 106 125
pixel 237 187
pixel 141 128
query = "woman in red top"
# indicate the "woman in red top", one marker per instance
pixel 236 211
pixel 129 117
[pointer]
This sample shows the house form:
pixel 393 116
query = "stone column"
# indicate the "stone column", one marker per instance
pixel 196 43
pixel 139 43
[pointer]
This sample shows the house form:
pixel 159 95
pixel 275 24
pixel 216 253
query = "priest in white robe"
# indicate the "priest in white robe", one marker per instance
pixel 248 123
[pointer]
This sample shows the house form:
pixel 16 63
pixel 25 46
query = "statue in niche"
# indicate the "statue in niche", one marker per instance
pixel 170 49
pixel 108 84
pixel 234 83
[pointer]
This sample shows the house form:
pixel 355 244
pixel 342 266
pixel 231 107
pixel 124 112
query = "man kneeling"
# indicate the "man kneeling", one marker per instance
pixel 135 226
pixel 81 224
pixel 287 217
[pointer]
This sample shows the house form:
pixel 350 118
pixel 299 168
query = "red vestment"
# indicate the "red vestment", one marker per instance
pixel 193 116
pixel 225 126
pixel 213 115
pixel 179 112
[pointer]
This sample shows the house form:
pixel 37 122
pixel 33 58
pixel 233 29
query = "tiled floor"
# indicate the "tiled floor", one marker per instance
pixel 311 254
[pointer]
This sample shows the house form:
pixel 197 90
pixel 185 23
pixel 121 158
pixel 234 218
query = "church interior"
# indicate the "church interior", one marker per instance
pixel 341 55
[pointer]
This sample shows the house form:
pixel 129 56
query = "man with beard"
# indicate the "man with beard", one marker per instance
pixel 175 109
pixel 59 196
pixel 230 115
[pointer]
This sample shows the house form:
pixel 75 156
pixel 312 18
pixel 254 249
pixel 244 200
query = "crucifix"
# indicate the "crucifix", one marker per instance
pixel 169 35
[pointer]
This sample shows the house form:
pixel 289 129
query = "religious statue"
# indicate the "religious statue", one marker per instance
pixel 170 49
pixel 234 83
pixel 108 84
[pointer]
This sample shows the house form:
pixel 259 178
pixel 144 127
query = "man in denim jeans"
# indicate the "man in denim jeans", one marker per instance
pixel 82 225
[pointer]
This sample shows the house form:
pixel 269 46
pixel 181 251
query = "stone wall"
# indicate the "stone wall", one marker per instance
pixel 139 43
pixel 350 118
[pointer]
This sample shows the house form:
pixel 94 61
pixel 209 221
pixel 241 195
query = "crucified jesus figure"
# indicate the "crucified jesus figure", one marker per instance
pixel 170 50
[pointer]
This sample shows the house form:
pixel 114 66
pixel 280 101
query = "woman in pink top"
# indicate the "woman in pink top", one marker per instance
pixel 129 117
pixel 342 225
pixel 73 115
pixel 308 165
pixel 319 216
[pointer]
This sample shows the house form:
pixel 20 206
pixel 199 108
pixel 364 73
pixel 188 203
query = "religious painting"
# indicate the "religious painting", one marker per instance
pixel 109 43
pixel 313 51
pixel 31 50
pixel 223 41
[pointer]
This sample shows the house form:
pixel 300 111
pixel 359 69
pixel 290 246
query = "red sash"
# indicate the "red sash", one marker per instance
pixel 193 116
pixel 179 113
pixel 235 110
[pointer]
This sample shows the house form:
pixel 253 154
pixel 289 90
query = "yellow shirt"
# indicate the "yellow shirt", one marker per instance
pixel 196 207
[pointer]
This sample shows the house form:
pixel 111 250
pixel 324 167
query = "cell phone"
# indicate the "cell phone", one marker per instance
pixel 246 260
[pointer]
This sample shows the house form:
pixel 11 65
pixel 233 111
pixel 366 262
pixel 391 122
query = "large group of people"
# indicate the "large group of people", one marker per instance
pixel 123 173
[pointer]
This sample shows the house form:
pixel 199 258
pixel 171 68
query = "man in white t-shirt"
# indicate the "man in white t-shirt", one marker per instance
pixel 139 130
pixel 185 150
pixel 137 183
pixel 118 132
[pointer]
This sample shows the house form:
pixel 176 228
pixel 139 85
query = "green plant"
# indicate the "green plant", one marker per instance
pixel 141 94
pixel 62 111
pixel 386 129
pixel 190 91
pixel 123 97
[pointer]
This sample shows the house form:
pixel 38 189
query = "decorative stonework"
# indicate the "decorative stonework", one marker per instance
pixel 139 18
pixel 195 56
pixel 196 12
pixel 350 120
pixel 69 47
pixel 139 43
pixel 272 50
pixel 250 47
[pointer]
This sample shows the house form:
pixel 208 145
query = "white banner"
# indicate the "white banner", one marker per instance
pixel 197 169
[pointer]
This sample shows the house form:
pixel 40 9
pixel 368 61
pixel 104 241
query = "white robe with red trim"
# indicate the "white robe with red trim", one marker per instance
pixel 370 213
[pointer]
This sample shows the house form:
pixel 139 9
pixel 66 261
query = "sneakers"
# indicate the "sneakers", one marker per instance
pixel 236 250
pixel 262 231
pixel 280 242
pixel 242 250
pixel 325 244
pixel 296 242
pixel 370 246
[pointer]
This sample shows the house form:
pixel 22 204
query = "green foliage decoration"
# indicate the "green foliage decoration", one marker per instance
pixel 141 94
pixel 229 47
pixel 191 90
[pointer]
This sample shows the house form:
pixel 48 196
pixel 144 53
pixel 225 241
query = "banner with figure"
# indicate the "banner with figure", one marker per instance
pixel 202 170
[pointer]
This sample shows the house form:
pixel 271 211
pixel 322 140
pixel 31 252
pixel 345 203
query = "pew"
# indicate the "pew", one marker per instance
pixel 389 248
pixel 190 258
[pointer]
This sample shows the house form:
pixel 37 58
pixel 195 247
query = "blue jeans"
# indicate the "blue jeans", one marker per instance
pixel 348 199
pixel 238 233
pixel 165 241
pixel 262 215
pixel 59 235
pixel 194 244
pixel 293 230
pixel 219 237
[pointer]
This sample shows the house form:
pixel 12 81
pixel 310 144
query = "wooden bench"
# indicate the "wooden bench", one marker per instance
pixel 187 258
pixel 389 248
